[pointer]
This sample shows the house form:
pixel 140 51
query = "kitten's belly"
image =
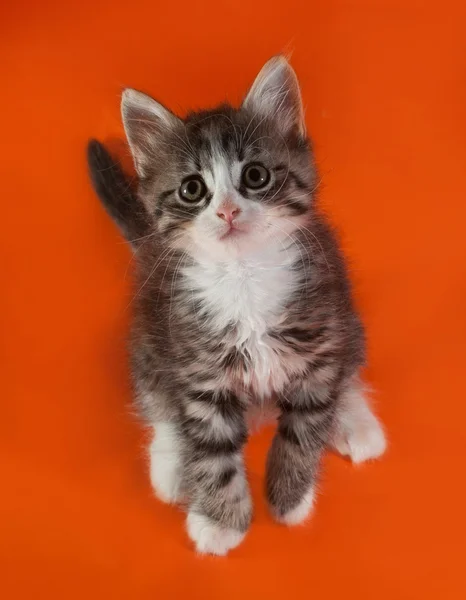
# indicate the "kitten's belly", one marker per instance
pixel 265 376
pixel 259 415
pixel 265 373
pixel 269 367
pixel 251 295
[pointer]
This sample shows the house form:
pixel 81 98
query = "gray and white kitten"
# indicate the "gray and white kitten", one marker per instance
pixel 242 300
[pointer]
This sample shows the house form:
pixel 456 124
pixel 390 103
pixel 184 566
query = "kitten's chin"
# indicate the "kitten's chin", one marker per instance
pixel 223 244
pixel 234 245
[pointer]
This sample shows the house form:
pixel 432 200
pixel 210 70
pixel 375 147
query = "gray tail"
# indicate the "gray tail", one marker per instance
pixel 114 189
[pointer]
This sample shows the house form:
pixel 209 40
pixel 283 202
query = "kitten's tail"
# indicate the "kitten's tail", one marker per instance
pixel 115 192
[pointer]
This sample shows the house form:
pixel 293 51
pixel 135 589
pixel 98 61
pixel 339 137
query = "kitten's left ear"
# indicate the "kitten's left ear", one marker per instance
pixel 275 94
pixel 146 123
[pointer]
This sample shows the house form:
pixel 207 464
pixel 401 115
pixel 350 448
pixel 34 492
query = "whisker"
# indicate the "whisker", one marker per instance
pixel 174 279
pixel 294 241
pixel 166 252
pixel 314 237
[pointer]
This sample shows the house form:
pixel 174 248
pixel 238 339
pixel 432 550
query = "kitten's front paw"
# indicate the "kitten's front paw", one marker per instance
pixel 300 513
pixel 361 441
pixel 210 537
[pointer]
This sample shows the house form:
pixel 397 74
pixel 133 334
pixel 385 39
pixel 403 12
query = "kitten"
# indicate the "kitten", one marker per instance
pixel 242 300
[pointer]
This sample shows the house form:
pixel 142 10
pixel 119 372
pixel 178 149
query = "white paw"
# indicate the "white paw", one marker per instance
pixel 361 441
pixel 165 464
pixel 358 433
pixel 209 537
pixel 300 513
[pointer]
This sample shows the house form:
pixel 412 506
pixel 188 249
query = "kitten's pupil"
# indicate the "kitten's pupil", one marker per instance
pixel 192 187
pixel 254 174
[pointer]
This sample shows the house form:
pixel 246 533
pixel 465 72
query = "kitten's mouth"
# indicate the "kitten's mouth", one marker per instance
pixel 232 232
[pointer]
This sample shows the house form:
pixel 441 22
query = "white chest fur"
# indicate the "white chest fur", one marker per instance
pixel 251 293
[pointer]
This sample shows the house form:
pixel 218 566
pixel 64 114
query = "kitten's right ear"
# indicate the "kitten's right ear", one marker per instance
pixel 145 121
pixel 275 94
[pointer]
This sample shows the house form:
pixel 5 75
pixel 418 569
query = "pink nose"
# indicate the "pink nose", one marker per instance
pixel 228 213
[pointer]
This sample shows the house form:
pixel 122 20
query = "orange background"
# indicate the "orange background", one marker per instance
pixel 385 94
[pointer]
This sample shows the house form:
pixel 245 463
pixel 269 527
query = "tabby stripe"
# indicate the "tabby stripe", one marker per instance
pixel 215 446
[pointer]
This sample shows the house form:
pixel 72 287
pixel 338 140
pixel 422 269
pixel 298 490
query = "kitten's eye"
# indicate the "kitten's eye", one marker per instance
pixel 193 189
pixel 255 176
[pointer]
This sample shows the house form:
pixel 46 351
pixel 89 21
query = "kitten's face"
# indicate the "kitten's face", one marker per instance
pixel 226 182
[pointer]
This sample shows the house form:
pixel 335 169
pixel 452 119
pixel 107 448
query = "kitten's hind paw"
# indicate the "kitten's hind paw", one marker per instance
pixel 165 464
pixel 364 441
pixel 358 433
pixel 211 538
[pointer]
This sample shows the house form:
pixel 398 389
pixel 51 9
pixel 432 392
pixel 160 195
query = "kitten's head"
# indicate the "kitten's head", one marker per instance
pixel 227 181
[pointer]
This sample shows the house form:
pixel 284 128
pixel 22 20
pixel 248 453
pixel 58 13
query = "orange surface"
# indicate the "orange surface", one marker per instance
pixel 385 92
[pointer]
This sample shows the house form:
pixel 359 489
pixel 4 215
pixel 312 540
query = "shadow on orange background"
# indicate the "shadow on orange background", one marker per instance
pixel 384 88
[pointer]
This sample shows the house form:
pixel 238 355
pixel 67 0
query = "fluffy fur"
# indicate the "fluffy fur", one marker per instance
pixel 242 301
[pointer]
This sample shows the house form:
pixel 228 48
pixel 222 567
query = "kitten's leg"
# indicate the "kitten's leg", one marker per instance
pixel 358 434
pixel 166 462
pixel 220 505
pixel 304 429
